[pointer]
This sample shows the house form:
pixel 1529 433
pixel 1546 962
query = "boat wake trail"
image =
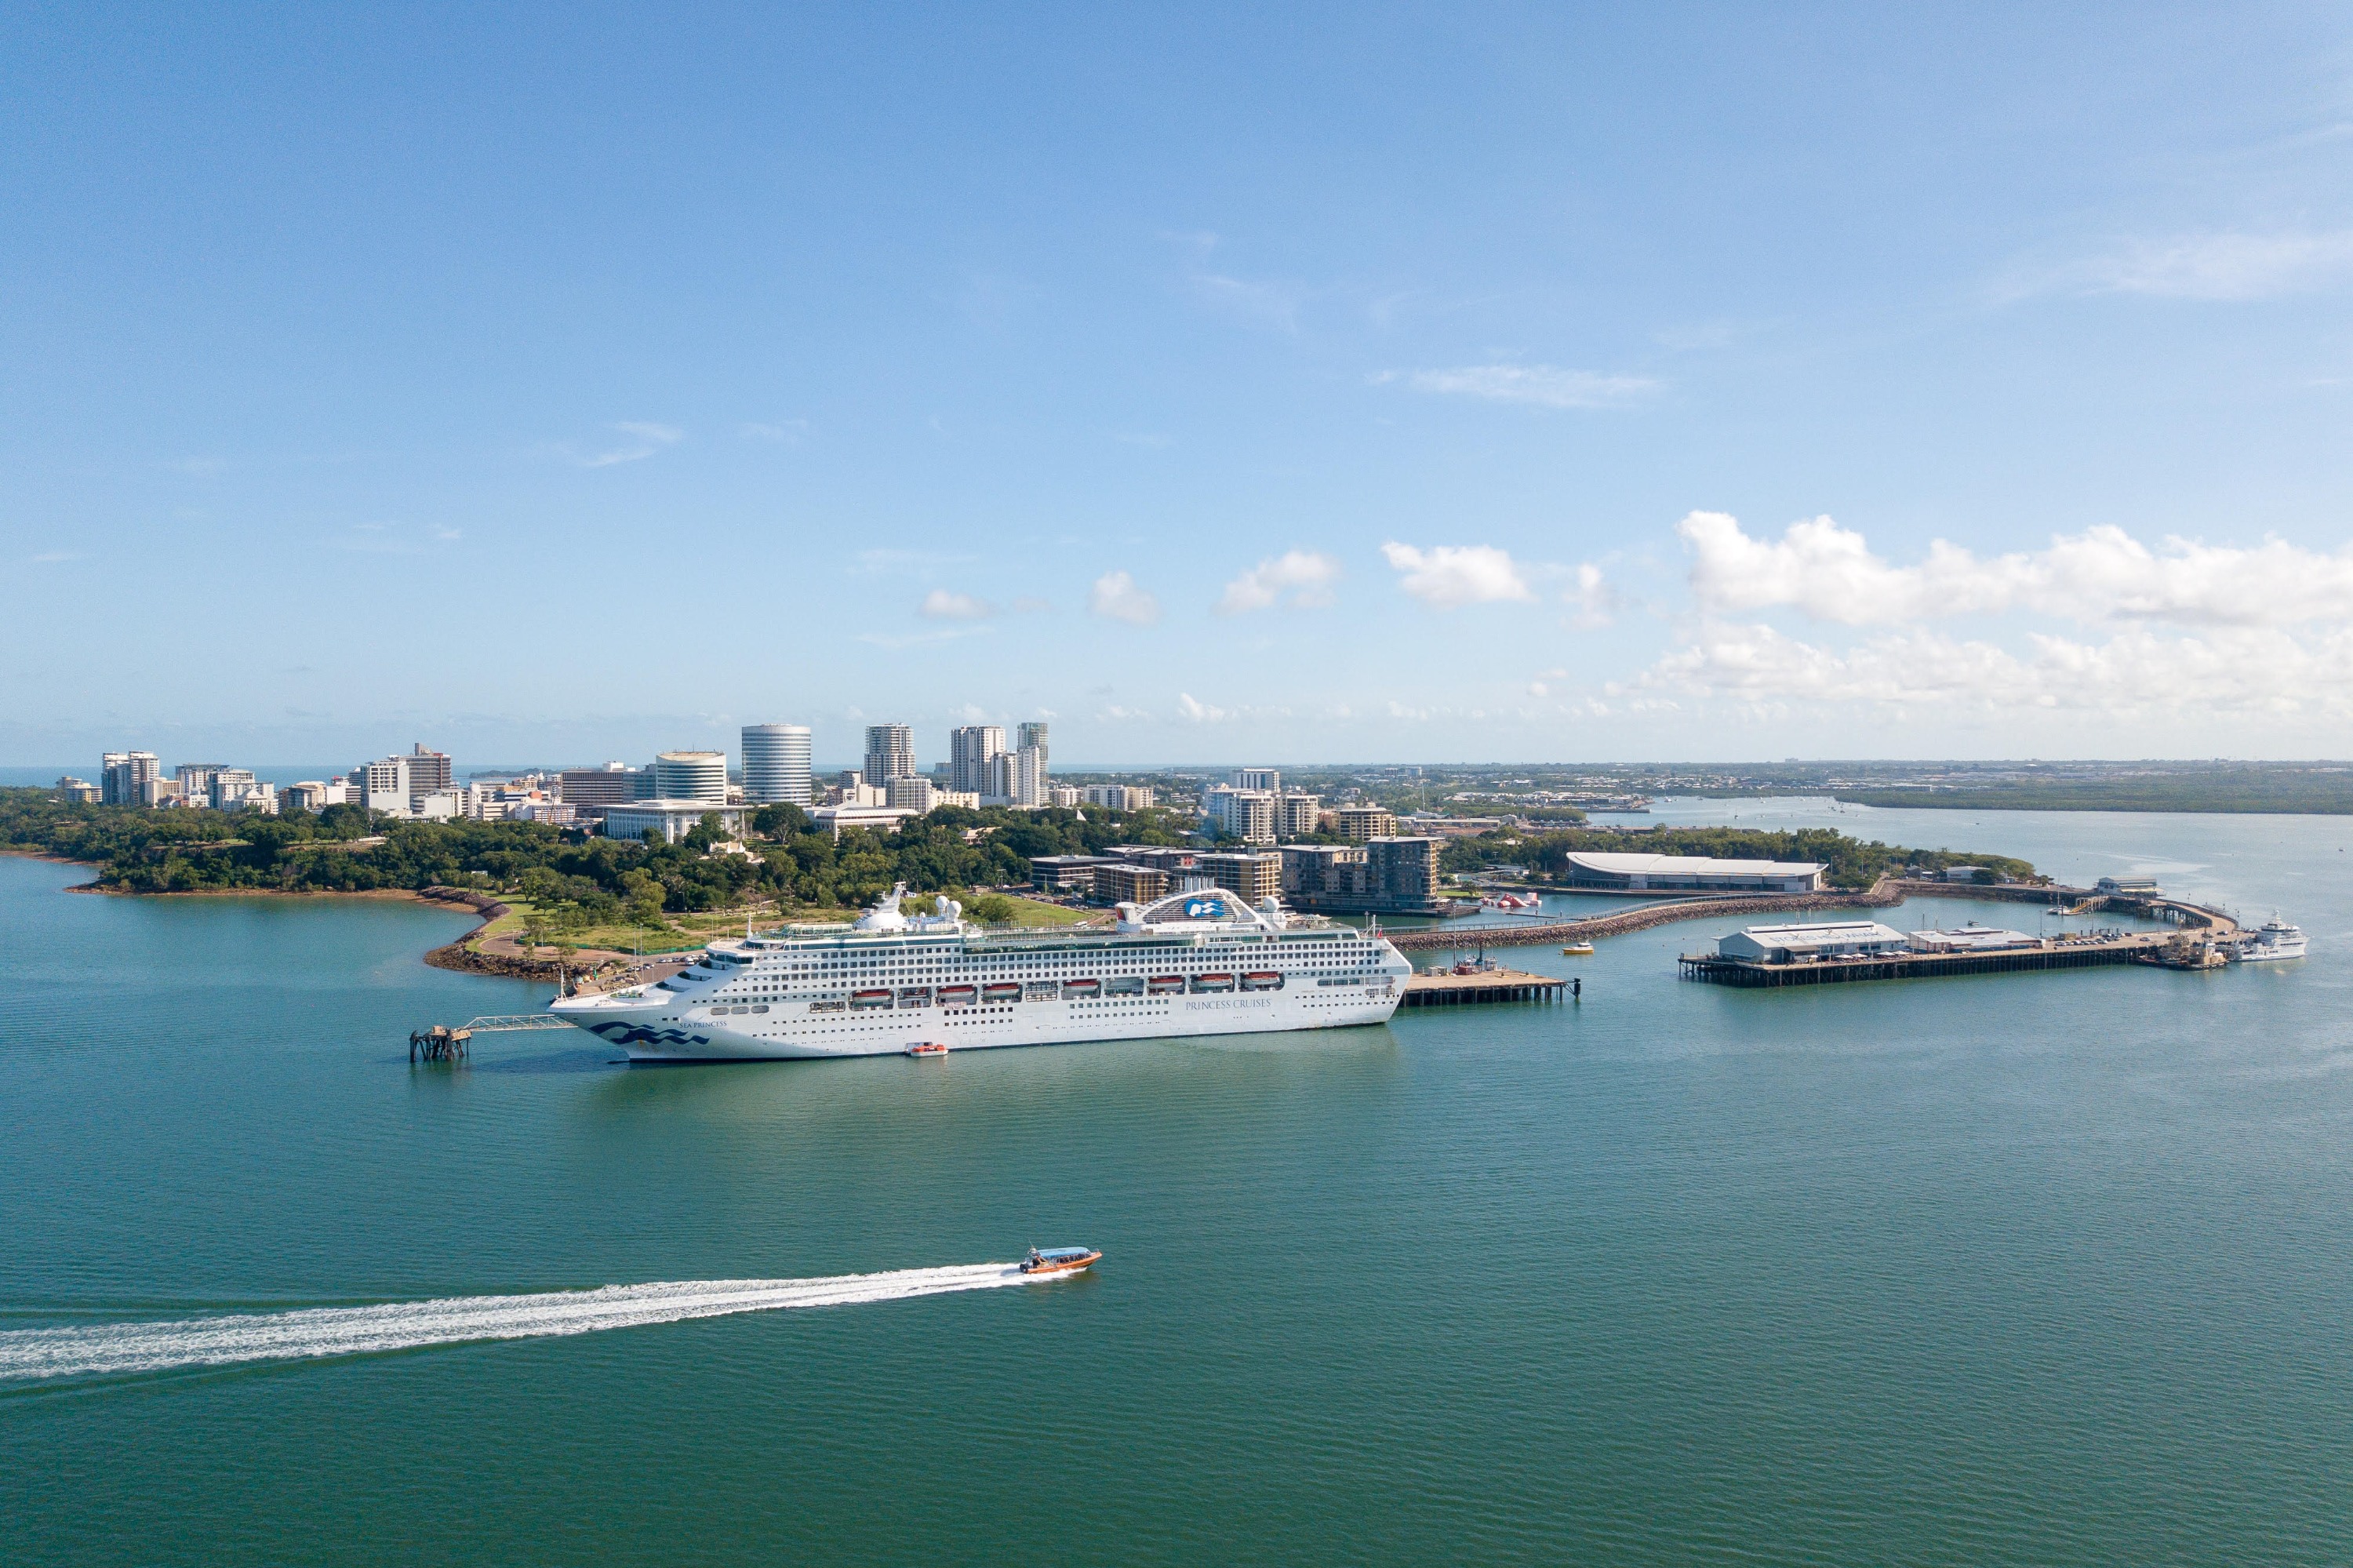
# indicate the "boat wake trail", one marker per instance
pixel 410 1325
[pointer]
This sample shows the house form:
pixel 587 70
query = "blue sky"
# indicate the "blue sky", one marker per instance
pixel 1363 383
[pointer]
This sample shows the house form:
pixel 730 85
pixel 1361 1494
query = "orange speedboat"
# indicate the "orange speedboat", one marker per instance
pixel 1058 1259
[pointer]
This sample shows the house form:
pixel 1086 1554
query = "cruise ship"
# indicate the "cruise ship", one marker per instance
pixel 1203 962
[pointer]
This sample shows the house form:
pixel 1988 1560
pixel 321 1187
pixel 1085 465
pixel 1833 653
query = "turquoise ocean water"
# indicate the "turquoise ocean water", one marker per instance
pixel 2032 1269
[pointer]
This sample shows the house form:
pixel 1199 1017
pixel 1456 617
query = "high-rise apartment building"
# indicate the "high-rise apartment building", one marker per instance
pixel 777 763
pixel 969 748
pixel 691 776
pixel 128 777
pixel 1295 814
pixel 1032 736
pixel 1244 814
pixel 1267 779
pixel 890 753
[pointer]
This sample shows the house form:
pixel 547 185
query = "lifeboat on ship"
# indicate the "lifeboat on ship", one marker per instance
pixel 1059 1259
pixel 1164 985
pixel 1001 991
pixel 1262 979
pixel 1213 982
pixel 958 995
pixel 869 1001
pixel 927 1049
pixel 1082 989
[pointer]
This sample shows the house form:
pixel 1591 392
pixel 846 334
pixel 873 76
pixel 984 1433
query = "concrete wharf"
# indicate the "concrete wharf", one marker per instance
pixel 2135 947
pixel 1444 989
pixel 1885 893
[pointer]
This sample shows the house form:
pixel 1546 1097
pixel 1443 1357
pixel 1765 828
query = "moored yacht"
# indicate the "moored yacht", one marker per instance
pixel 2270 942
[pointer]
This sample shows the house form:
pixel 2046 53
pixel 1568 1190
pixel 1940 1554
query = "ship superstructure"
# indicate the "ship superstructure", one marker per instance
pixel 1204 962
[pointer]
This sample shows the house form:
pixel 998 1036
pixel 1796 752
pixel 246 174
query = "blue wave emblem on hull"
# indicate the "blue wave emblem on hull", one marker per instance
pixel 621 1033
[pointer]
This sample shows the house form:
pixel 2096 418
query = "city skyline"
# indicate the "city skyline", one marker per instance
pixel 1522 385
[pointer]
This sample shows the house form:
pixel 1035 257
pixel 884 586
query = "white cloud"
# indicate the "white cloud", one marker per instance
pixel 942 605
pixel 1305 575
pixel 1188 707
pixel 1541 384
pixel 1115 596
pixel 783 433
pixel 1595 600
pixel 2220 266
pixel 2103 574
pixel 2228 671
pixel 1448 577
pixel 644 439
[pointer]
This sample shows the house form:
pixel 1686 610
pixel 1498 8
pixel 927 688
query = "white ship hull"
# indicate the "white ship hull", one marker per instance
pixel 648 1038
pixel 1210 965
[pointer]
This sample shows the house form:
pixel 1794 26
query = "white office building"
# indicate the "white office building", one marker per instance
pixel 672 818
pixel 916 795
pixel 777 763
pixel 690 775
pixel 1267 779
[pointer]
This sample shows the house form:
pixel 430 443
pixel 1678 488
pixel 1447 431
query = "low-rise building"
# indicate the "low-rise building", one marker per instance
pixel 1812 943
pixel 1067 795
pixel 1608 873
pixel 1125 883
pixel 672 818
pixel 2129 887
pixel 910 793
pixel 612 784
pixel 1066 873
pixel 1120 797
pixel 1966 874
pixel 75 791
pixel 838 818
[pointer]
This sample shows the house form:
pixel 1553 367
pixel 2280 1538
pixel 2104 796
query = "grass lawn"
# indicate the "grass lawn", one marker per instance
pixel 690 931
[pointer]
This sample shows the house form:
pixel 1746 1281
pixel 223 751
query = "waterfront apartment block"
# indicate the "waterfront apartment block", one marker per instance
pixel 1390 876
